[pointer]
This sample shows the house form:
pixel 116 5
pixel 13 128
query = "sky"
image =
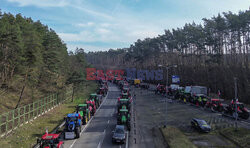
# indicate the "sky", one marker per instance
pixel 98 25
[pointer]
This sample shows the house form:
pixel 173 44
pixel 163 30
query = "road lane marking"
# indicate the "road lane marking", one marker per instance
pixel 108 121
pixel 89 121
pixel 101 141
pixel 127 139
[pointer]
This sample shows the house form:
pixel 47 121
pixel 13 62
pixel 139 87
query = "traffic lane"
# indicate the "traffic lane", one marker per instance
pixel 70 143
pixel 97 127
pixel 107 142
pixel 107 138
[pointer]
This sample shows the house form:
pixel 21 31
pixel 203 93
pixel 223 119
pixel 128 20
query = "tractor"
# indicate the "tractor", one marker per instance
pixel 215 105
pixel 73 123
pixel 123 118
pixel 125 92
pixel 91 107
pixel 102 91
pixel 83 110
pixel 160 89
pixel 50 141
pixel 242 111
pixel 96 99
pixel 123 104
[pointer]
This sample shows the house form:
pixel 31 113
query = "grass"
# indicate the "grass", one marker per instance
pixel 175 138
pixel 26 135
pixel 241 137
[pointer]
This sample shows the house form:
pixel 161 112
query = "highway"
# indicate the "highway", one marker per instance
pixel 98 132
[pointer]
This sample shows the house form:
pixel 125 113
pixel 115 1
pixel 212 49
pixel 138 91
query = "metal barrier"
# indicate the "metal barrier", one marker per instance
pixel 13 119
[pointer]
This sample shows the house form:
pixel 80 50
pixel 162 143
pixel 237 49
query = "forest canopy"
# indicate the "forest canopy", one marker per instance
pixel 209 54
pixel 33 56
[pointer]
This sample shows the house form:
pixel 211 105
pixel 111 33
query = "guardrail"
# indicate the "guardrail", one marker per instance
pixel 13 119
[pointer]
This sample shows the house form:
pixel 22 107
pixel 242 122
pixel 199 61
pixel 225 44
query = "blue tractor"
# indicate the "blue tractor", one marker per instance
pixel 73 124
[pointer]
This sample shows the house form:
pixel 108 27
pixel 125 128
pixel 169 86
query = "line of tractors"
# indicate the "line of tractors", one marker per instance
pixel 124 103
pixel 74 121
pixel 198 96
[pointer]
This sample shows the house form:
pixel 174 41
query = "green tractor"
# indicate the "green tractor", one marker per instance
pixel 123 104
pixel 94 97
pixel 83 110
pixel 123 118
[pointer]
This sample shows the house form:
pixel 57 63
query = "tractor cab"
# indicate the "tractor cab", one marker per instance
pixel 91 106
pixel 125 91
pixel 84 112
pixel 124 118
pixel 95 98
pixel 73 124
pixel 160 89
pixel 124 95
pixel 50 141
pixel 102 91
pixel 216 102
pixel 123 104
pixel 73 118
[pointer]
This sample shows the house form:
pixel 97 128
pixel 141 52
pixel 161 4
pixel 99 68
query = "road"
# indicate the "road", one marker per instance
pixel 150 115
pixel 98 132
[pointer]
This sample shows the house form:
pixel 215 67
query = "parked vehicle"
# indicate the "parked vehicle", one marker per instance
pixel 73 123
pixel 91 107
pixel 215 105
pixel 200 125
pixel 83 110
pixel 50 141
pixel 137 82
pixel 94 98
pixel 242 111
pixel 102 91
pixel 160 89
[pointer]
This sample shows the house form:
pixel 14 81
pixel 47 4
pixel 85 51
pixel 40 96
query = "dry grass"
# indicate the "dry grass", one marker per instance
pixel 26 135
pixel 176 139
pixel 241 137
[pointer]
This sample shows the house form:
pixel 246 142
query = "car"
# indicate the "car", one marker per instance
pixel 200 125
pixel 119 135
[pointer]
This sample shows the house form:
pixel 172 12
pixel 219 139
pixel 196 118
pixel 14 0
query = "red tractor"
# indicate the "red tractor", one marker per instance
pixel 50 141
pixel 215 105
pixel 91 107
pixel 160 89
pixel 242 111
pixel 102 91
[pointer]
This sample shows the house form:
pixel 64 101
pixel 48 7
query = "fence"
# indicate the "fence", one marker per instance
pixel 13 119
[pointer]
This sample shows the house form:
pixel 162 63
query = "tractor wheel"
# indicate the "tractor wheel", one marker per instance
pixel 213 108
pixel 245 115
pixel 78 132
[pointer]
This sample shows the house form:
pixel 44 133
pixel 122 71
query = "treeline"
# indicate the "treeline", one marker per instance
pixel 33 56
pixel 210 54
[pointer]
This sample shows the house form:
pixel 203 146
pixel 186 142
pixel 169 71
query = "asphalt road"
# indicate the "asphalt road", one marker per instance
pixel 98 132
pixel 150 112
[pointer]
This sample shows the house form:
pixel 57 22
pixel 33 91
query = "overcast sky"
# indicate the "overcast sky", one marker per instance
pixel 103 24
